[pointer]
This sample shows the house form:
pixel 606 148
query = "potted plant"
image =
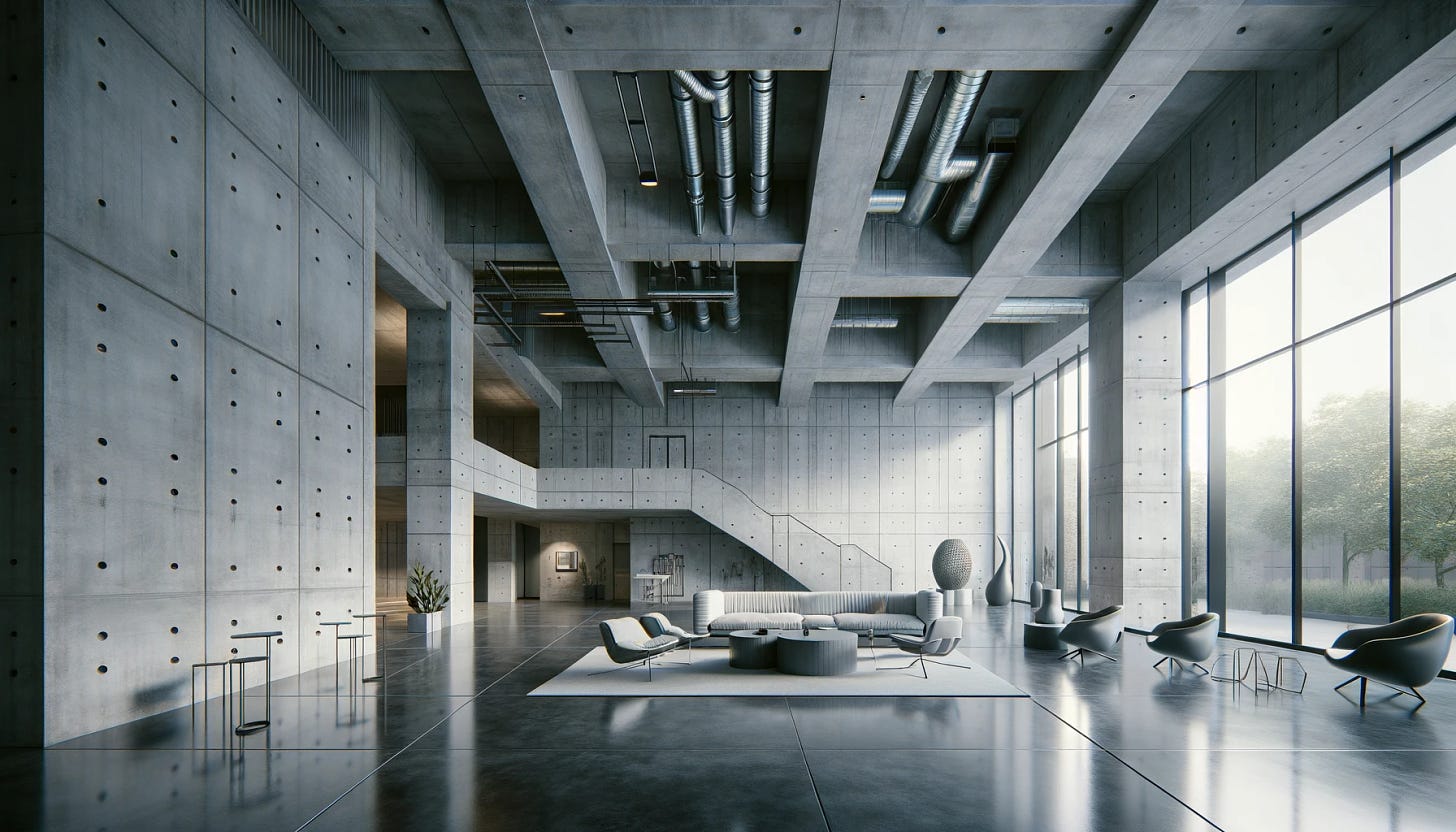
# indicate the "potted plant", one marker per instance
pixel 427 597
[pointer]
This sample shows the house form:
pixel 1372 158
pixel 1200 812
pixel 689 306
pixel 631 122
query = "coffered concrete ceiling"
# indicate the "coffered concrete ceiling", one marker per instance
pixel 515 106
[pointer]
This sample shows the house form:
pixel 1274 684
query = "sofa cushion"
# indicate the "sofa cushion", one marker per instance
pixel 762 602
pixel 885 622
pixel 812 621
pixel 754 620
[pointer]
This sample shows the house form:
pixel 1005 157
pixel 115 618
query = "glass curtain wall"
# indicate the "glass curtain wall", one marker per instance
pixel 1050 483
pixel 1319 410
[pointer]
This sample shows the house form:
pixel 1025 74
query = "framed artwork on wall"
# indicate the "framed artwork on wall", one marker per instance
pixel 568 561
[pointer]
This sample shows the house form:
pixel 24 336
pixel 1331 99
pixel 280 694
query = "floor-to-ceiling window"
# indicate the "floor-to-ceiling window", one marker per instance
pixel 1050 483
pixel 1319 410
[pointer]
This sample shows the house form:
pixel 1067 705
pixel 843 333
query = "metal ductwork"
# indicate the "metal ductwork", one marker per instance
pixel 665 318
pixel 702 319
pixel 761 116
pixel 685 87
pixel 1000 145
pixel 887 200
pixel 941 164
pixel 721 83
pixel 692 85
pixel 692 388
pixel 732 312
pixel 918 88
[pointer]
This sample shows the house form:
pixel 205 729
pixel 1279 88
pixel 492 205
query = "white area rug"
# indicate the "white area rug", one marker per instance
pixel 710 675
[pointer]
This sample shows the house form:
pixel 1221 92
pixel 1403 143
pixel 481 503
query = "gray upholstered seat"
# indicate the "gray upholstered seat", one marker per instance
pixel 1406 653
pixel 732 621
pixel 882 623
pixel 1191 640
pixel 1093 632
pixel 656 624
pixel 628 644
pixel 940 639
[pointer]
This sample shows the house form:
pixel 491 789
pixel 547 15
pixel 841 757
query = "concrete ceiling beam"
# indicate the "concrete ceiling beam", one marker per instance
pixel 854 129
pixel 1083 125
pixel 1391 83
pixel 546 126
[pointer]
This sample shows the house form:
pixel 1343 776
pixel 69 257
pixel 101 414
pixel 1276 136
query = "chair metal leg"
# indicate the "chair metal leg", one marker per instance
pixel 1206 671
pixel 1159 662
pixel 1346 682
pixel 615 669
pixel 919 660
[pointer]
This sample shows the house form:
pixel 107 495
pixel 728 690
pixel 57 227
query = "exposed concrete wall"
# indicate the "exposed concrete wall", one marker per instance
pixel 22 469
pixel 592 542
pixel 711 558
pixel 440 451
pixel 206 352
pixel 1136 451
pixel 498 582
pixel 895 481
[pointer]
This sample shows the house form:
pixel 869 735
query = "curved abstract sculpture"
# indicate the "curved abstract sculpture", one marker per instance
pixel 998 589
pixel 1049 611
pixel 1035 596
pixel 952 564
pixel 1402 655
pixel 1191 640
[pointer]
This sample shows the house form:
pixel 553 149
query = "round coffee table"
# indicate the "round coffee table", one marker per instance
pixel 820 653
pixel 752 651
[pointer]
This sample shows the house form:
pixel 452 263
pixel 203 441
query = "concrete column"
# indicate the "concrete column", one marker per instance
pixel 500 553
pixel 440 488
pixel 1136 451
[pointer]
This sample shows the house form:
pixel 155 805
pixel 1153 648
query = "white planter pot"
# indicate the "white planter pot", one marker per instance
pixel 425 622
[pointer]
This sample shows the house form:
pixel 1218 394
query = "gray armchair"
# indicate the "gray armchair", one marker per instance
pixel 656 624
pixel 1094 632
pixel 628 644
pixel 940 639
pixel 1407 653
pixel 1191 640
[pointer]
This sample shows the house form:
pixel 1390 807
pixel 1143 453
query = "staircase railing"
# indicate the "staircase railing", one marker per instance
pixel 843 566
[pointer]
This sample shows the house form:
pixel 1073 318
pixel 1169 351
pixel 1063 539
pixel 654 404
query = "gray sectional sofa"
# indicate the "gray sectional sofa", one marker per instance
pixel 717 612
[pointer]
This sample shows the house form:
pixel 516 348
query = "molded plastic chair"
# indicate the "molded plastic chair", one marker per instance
pixel 940 639
pixel 1408 653
pixel 1191 640
pixel 1093 632
pixel 628 644
pixel 656 624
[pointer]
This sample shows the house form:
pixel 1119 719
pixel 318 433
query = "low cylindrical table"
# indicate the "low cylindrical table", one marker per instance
pixel 1037 636
pixel 752 651
pixel 820 653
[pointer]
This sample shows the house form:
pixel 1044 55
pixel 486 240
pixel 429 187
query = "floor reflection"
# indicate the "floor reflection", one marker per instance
pixel 450 740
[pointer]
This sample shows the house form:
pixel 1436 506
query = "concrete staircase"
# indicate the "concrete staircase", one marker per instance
pixel 784 540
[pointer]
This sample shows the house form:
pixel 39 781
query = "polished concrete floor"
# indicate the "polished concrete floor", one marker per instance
pixel 452 742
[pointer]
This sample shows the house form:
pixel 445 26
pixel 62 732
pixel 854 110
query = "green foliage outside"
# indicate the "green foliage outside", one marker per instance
pixel 1358 599
pixel 1346 497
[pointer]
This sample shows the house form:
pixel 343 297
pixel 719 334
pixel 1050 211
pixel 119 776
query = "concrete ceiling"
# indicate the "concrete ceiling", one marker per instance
pixel 520 94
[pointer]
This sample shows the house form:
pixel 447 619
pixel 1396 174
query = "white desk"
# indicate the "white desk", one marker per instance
pixel 651 585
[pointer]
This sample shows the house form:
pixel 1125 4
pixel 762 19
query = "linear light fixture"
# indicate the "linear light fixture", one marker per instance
pixel 646 173
pixel 692 388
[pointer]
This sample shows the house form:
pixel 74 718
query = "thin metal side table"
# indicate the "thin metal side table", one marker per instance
pixel 356 647
pixel 336 625
pixel 380 616
pixel 245 727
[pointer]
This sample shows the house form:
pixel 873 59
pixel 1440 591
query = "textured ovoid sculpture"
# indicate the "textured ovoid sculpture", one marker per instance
pixel 998 589
pixel 952 564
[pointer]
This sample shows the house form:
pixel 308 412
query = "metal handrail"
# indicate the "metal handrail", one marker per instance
pixel 820 534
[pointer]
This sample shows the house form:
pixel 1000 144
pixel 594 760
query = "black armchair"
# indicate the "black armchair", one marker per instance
pixel 1402 654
